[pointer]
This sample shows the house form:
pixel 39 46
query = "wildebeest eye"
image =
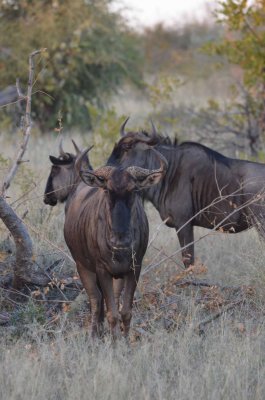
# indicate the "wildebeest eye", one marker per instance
pixel 126 146
pixel 101 178
pixel 55 170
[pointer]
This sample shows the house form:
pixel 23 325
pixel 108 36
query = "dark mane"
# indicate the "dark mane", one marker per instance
pixel 161 140
pixel 166 140
pixel 212 154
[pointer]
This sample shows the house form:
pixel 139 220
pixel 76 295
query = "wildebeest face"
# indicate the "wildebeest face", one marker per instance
pixel 59 181
pixel 133 148
pixel 121 187
pixel 62 177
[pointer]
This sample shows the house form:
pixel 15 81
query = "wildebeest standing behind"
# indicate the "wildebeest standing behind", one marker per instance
pixel 201 186
pixel 106 230
pixel 63 178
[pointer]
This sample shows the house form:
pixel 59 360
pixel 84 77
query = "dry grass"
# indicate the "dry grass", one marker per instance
pixel 225 365
pixel 46 352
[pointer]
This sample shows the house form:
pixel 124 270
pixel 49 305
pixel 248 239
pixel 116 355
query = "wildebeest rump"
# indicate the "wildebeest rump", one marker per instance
pixel 201 186
pixel 106 230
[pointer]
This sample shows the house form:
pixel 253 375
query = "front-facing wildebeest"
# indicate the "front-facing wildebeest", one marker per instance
pixel 106 230
pixel 201 186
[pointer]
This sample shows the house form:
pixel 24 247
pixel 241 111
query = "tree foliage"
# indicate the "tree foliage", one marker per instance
pixel 90 51
pixel 172 48
pixel 244 43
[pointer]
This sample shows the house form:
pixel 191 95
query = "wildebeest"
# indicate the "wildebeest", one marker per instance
pixel 106 230
pixel 201 186
pixel 63 177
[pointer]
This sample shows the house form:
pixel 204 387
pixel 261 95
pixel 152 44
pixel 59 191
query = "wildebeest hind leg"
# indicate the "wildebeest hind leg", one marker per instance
pixel 186 236
pixel 89 282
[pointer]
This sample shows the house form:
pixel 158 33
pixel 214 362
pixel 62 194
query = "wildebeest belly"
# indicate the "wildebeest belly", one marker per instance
pixel 226 216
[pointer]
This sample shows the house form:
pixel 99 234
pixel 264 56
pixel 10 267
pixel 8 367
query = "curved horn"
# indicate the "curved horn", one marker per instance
pixel 80 158
pixel 77 150
pixel 122 132
pixel 61 151
pixel 162 160
pixel 138 171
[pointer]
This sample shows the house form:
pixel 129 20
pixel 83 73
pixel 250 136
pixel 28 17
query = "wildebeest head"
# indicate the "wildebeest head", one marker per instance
pixel 120 186
pixel 134 148
pixel 63 175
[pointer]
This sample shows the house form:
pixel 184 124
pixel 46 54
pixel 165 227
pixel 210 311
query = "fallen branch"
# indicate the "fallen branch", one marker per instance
pixel 187 282
pixel 200 327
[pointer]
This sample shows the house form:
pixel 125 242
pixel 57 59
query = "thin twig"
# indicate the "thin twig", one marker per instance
pixel 19 293
pixel 212 231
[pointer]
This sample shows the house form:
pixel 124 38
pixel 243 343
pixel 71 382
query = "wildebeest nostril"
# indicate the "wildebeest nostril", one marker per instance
pixel 120 240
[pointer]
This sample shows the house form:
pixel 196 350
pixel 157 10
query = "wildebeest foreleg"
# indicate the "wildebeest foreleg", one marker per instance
pixel 118 285
pixel 186 236
pixel 130 284
pixel 106 284
pixel 89 282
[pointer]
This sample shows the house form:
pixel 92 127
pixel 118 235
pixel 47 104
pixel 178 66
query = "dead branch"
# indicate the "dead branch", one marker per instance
pixel 198 283
pixel 25 269
pixel 26 129
pixel 200 327
pixel 24 265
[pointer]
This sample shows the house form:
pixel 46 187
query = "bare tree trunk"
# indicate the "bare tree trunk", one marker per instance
pixel 24 265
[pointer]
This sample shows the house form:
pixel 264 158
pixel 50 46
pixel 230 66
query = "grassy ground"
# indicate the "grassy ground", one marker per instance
pixel 224 365
pixel 187 341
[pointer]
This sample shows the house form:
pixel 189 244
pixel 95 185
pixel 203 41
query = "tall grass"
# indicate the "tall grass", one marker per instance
pixel 178 365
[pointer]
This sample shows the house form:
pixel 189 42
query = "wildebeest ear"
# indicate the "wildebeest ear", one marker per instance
pixel 60 161
pixel 92 179
pixel 145 181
